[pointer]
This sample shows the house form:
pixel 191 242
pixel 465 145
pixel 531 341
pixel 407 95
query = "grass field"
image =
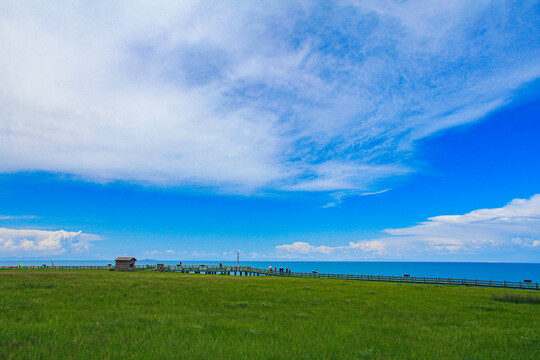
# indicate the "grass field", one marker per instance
pixel 83 314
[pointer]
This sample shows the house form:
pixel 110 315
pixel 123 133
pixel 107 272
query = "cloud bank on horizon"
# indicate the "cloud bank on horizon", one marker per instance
pixel 239 97
pixel 513 228
pixel 31 242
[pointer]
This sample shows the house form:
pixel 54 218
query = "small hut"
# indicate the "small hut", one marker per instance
pixel 125 263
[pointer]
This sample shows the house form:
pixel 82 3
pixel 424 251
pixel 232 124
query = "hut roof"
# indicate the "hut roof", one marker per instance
pixel 125 258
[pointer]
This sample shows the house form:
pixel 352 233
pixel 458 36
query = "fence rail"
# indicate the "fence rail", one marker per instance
pixel 56 267
pixel 252 271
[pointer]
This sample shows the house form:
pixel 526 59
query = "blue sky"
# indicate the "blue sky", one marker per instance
pixel 384 130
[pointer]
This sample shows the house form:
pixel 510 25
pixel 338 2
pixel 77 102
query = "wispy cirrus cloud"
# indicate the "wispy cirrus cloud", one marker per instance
pixel 500 233
pixel 31 242
pixel 289 95
pixel 164 252
pixel 18 217
pixel 338 196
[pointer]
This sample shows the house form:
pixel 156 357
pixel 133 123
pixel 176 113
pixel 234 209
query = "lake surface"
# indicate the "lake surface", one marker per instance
pixel 457 270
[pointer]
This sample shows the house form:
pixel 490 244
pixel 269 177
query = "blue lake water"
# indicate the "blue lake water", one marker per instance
pixel 457 270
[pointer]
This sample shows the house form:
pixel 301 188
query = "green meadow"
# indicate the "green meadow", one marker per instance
pixel 85 314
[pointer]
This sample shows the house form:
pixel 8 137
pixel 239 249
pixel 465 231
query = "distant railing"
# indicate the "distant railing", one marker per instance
pixel 56 267
pixel 251 271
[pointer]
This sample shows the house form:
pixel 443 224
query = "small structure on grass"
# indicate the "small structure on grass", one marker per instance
pixel 125 263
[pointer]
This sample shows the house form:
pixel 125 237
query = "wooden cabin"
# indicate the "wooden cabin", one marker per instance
pixel 125 263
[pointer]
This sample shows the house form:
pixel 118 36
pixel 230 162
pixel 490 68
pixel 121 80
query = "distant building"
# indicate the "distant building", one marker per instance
pixel 125 263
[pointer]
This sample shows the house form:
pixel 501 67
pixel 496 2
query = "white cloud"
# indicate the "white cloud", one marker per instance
pixel 167 252
pixel 526 242
pixel 243 255
pixel 18 217
pixel 338 199
pixel 29 242
pixel 492 234
pixel 304 248
pixel 203 255
pixel 243 96
pixel 362 249
pixel 517 223
pixel 340 195
pixel 332 175
pixel 374 246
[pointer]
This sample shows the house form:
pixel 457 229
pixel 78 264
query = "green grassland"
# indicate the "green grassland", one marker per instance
pixel 84 314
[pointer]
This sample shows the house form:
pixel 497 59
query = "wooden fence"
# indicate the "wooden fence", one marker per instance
pixel 252 271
